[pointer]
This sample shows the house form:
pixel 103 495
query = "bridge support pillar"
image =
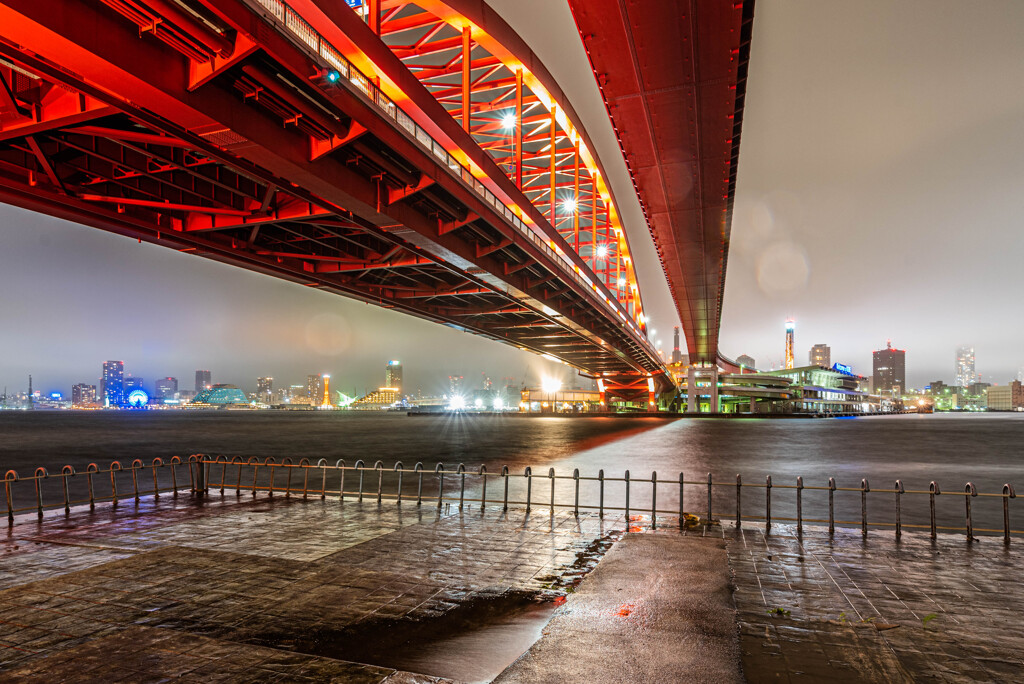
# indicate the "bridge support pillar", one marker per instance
pixel 700 382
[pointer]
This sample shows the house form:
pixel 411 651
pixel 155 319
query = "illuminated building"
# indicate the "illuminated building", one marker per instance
pixel 203 380
pixel 965 366
pixel 790 326
pixel 1006 397
pixel 393 375
pixel 219 395
pixel 264 389
pixel 314 388
pixel 165 388
pixel 677 356
pixel 83 395
pixel 455 385
pixel 746 361
pixel 131 384
pixel 382 398
pixel 113 383
pixel 889 369
pixel 327 392
pixel 821 355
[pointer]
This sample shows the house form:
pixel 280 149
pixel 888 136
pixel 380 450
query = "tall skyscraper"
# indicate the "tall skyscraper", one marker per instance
pixel 264 389
pixel 166 388
pixel 393 375
pixel 821 355
pixel 790 327
pixel 965 366
pixel 677 355
pixel 83 395
pixel 204 380
pixel 890 369
pixel 113 383
pixel 326 400
pixel 315 389
pixel 455 386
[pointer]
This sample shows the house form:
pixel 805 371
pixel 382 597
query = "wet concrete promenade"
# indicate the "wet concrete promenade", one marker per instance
pixel 277 590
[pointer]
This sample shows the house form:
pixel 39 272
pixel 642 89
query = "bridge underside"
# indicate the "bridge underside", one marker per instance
pixel 246 154
pixel 673 74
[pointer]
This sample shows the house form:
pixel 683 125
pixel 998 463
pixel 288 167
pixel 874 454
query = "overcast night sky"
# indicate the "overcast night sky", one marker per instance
pixel 880 195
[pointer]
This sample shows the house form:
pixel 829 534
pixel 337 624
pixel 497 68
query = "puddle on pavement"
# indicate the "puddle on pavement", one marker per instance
pixel 473 642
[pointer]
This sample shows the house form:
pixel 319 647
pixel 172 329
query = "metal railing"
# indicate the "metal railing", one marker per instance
pixel 281 15
pixel 423 486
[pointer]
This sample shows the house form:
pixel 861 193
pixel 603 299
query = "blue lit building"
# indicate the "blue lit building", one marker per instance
pixel 218 396
pixel 113 383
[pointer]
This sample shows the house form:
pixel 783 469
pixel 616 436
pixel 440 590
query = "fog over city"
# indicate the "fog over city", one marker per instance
pixel 879 197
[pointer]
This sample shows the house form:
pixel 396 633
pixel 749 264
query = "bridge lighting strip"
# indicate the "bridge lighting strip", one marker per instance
pixel 310 39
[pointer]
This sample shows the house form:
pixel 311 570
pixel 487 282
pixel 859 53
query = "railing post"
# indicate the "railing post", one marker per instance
pixel 322 465
pixel 654 499
pixel 40 473
pixel 799 505
pixel 9 477
pixel 223 473
pixel 864 489
pixel 1008 494
pixel 174 462
pixel 551 474
pixel 504 475
pixel 739 501
pixel 89 470
pixel 600 483
pixel 831 506
pixel 418 470
pixel 627 499
pixel 379 467
pixel 399 468
pixel 528 474
pixel 359 468
pixel 66 472
pixel 201 475
pixel 709 498
pixel 971 492
pixel 238 481
pixel 768 504
pixel 933 491
pixel 483 490
pixel 113 481
pixel 682 514
pixel 899 493
pixel 255 463
pixel 136 464
pixel 159 463
pixel 576 484
pixel 286 462
pixel 304 464
pixel 439 471
pixel 462 484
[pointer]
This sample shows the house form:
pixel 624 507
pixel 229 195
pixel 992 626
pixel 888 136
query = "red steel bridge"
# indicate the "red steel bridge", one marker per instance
pixel 414 155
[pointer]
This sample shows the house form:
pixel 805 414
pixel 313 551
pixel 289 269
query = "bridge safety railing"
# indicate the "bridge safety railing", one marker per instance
pixel 281 15
pixel 641 499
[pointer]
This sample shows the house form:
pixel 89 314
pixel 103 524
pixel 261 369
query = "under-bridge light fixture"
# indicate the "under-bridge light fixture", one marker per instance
pixel 569 206
pixel 333 76
pixel 509 121
pixel 602 251
pixel 622 282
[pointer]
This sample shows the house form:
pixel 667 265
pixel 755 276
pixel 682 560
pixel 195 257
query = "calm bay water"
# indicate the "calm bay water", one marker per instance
pixel 949 449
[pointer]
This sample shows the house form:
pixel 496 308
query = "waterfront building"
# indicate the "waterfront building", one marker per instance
pixel 790 328
pixel 889 367
pixel 83 394
pixel 204 380
pixel 113 383
pixel 381 398
pixel 746 361
pixel 1008 397
pixel 165 388
pixel 393 375
pixel 265 389
pixel 219 396
pixel 965 366
pixel 824 390
pixel 314 389
pixel 455 385
pixel 131 384
pixel 821 355
pixel 559 401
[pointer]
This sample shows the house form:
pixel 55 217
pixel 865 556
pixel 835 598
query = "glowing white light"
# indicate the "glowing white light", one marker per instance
pixel 622 282
pixel 569 205
pixel 602 251
pixel 479 403
pixel 498 403
pixel 457 403
pixel 509 120
pixel 550 385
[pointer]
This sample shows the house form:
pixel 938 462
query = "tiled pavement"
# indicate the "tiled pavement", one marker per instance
pixel 845 609
pixel 259 590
